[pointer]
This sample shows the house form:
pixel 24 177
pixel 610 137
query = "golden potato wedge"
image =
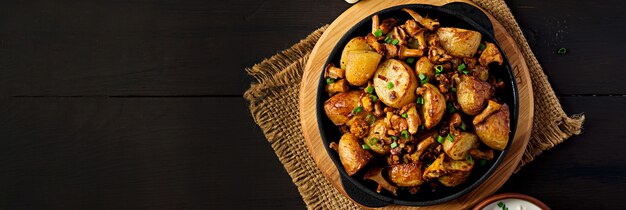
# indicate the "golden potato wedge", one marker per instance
pixel 472 94
pixel 459 147
pixel 406 175
pixel 376 137
pixel 352 155
pixel 395 83
pixel 424 66
pixel 436 169
pixel 434 106
pixel 356 43
pixel 459 42
pixel 339 107
pixel 361 65
pixel 458 172
pixel 494 130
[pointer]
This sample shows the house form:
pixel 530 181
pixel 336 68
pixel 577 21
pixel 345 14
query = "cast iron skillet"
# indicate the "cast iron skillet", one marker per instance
pixel 450 15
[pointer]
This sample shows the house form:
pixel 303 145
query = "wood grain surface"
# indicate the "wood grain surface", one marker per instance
pixel 137 104
pixel 315 66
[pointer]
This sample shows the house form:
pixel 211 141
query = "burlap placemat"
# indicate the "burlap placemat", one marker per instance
pixel 273 102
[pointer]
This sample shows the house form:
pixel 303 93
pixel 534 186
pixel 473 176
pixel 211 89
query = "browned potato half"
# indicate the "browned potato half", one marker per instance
pixel 424 66
pixel 395 83
pixel 406 175
pixel 472 94
pixel 494 130
pixel 458 172
pixel 459 42
pixel 339 107
pixel 459 147
pixel 436 169
pixel 375 139
pixel 352 155
pixel 434 106
pixel 356 43
pixel 361 65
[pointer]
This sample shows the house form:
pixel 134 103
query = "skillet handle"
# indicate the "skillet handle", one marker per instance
pixel 359 196
pixel 472 13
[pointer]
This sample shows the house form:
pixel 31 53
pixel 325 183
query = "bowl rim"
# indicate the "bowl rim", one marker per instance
pixel 486 32
pixel 503 196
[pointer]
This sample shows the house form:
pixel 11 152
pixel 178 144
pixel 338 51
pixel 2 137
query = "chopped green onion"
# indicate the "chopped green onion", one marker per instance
pixel 389 85
pixel 438 70
pixel 465 71
pixel 330 81
pixel 483 162
pixel 453 90
pixel 373 141
pixel 374 98
pixel 404 115
pixel 388 40
pixel 500 204
pixel 395 42
pixel 462 126
pixel 450 137
pixel 410 60
pixel 561 51
pixel 394 145
pixel 370 118
pixel 450 107
pixel 378 33
pixel 440 139
pixel 469 159
pixel 356 110
pixel 365 147
pixel 405 134
pixel 420 100
pixel 394 138
pixel 422 127
pixel 461 67
pixel 482 46
pixel 423 79
pixel 369 89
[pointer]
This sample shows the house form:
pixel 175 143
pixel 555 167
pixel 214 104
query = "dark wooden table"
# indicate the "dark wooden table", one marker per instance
pixel 138 104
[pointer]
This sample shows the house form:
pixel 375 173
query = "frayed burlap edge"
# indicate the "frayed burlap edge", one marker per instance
pixel 551 125
pixel 274 95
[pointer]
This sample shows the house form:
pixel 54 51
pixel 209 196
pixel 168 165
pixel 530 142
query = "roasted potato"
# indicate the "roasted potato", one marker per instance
pixel 406 175
pixel 434 106
pixel 494 129
pixel 352 155
pixel 339 107
pixel 361 65
pixel 424 66
pixel 395 83
pixel 472 94
pixel 376 137
pixel 459 42
pixel 356 43
pixel 459 147
pixel 457 172
pixel 436 169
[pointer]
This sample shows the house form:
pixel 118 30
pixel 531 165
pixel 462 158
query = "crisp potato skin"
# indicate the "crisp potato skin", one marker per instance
pixel 376 136
pixel 424 66
pixel 356 43
pixel 458 172
pixel 406 175
pixel 361 65
pixel 459 42
pixel 353 157
pixel 404 83
pixel 434 106
pixel 472 94
pixel 460 147
pixel 494 130
pixel 339 107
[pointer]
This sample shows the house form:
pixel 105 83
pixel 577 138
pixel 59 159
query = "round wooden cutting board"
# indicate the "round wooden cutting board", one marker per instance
pixel 331 37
